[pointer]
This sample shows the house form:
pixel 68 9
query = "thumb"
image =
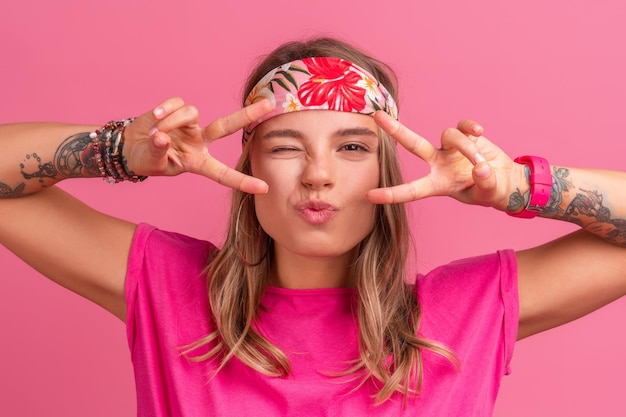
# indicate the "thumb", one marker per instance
pixel 159 145
pixel 485 183
pixel 150 157
pixel 146 148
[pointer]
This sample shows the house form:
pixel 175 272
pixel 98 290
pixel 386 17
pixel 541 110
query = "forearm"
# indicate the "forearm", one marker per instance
pixel 593 199
pixel 34 156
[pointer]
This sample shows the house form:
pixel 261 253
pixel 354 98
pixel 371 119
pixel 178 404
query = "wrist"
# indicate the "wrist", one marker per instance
pixel 538 183
pixel 108 157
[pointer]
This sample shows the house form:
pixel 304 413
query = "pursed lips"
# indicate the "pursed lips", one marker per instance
pixel 316 211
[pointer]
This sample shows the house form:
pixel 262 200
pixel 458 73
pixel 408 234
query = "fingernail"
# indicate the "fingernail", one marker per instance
pixel 478 158
pixel 152 132
pixel 158 112
pixel 159 141
pixel 271 104
pixel 483 171
pixel 477 129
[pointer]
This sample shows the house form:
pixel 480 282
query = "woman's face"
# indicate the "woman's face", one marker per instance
pixel 318 164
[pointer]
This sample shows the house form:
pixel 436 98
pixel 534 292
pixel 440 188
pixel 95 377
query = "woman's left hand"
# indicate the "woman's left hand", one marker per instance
pixel 467 167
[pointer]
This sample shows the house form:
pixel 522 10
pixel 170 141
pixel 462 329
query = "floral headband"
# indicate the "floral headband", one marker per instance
pixel 320 83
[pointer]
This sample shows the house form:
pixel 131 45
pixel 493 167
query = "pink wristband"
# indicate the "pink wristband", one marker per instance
pixel 540 186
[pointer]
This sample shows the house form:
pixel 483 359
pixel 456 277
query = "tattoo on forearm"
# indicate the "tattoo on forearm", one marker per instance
pixel 45 170
pixel 7 191
pixel 517 201
pixel 589 204
pixel 560 185
pixel 618 234
pixel 586 209
pixel 74 158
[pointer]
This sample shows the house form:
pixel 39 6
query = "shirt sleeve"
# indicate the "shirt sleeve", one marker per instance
pixel 133 274
pixel 510 301
pixel 165 282
pixel 472 306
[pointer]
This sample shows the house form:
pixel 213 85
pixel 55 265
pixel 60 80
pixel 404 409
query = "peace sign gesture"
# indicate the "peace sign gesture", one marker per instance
pixel 467 167
pixel 169 141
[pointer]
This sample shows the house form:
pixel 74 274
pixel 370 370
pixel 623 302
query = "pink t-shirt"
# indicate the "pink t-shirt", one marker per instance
pixel 471 306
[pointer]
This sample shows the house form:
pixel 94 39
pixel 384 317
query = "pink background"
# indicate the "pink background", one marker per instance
pixel 543 77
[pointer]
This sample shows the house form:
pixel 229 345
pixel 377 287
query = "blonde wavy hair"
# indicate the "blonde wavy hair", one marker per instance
pixel 388 311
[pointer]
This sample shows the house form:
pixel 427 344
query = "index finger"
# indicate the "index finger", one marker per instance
pixel 410 140
pixel 230 124
pixel 232 178
pixel 402 193
pixel 470 127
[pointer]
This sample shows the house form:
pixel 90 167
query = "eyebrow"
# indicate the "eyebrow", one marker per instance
pixel 356 131
pixel 283 133
pixel 351 131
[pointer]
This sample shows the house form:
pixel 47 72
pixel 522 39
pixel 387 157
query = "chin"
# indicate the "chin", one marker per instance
pixel 323 250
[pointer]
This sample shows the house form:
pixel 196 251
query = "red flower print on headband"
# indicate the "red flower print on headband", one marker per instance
pixel 333 81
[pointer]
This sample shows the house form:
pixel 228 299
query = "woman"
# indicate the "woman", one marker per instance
pixel 306 310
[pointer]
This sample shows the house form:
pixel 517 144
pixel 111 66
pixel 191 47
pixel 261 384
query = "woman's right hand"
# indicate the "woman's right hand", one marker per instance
pixel 169 141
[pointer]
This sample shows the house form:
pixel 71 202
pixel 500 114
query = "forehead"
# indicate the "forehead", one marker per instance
pixel 317 122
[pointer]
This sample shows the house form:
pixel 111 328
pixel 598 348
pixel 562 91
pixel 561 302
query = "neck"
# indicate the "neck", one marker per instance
pixel 293 271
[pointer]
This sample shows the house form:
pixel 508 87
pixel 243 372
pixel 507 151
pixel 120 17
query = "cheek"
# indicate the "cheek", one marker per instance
pixel 369 179
pixel 362 178
pixel 374 180
pixel 271 207
pixel 279 177
pixel 268 170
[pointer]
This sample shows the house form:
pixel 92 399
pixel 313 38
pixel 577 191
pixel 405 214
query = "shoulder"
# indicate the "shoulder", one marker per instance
pixel 489 265
pixel 161 259
pixel 148 236
pixel 475 275
pixel 166 268
pixel 166 287
pixel 477 293
pixel 151 242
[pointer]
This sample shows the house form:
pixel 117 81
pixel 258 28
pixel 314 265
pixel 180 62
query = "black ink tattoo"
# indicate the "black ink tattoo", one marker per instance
pixel 6 191
pixel 587 210
pixel 517 201
pixel 74 158
pixel 45 170
pixel 560 184
pixel 618 234
pixel 589 204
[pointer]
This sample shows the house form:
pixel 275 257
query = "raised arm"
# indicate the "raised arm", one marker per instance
pixel 572 276
pixel 50 230
pixel 78 247
pixel 561 280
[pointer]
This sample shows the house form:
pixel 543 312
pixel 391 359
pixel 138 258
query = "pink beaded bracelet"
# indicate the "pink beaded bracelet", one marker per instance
pixel 108 144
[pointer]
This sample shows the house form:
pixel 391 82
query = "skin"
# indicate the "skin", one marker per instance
pixel 69 262
pixel 303 160
pixel 554 286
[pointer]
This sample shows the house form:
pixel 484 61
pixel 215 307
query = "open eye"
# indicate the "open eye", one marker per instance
pixel 354 147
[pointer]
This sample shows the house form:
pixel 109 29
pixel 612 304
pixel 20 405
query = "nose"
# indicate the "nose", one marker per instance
pixel 318 172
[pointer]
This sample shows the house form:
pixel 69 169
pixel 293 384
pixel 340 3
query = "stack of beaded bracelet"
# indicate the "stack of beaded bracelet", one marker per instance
pixel 108 144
